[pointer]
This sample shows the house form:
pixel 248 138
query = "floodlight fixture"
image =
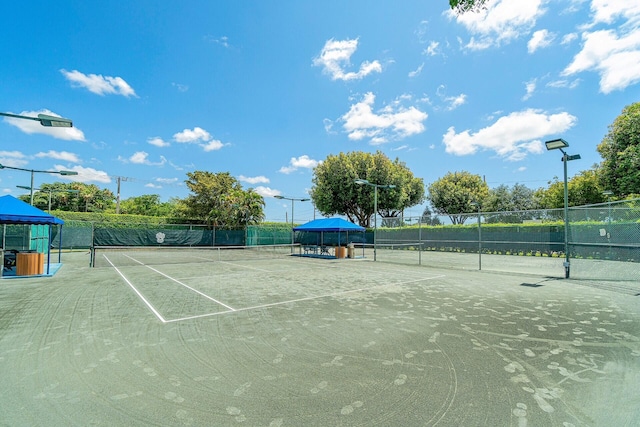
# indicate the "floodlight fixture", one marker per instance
pixel 360 181
pixel 555 144
pixel 44 119
pixel 293 199
pixel 61 172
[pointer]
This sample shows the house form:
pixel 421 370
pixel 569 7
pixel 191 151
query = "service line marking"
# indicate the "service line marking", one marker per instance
pixel 183 284
pixel 274 304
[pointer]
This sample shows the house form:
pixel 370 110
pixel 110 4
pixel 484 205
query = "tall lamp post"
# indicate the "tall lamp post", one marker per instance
pixel 559 144
pixel 44 119
pixel 293 199
pixel 375 208
pixel 50 190
pixel 63 172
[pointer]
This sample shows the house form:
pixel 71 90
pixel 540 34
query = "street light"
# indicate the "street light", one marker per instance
pixel 50 190
pixel 63 172
pixel 44 119
pixel 293 199
pixel 559 144
pixel 375 208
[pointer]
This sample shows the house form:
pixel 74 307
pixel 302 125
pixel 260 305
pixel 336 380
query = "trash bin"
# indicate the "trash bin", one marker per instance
pixel 341 251
pixel 351 251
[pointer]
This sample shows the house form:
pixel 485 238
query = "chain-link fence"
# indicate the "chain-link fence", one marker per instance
pixel 603 241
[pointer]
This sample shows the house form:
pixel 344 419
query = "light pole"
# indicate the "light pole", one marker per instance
pixel 559 144
pixel 63 172
pixel 50 190
pixel 293 199
pixel 479 235
pixel 44 119
pixel 375 208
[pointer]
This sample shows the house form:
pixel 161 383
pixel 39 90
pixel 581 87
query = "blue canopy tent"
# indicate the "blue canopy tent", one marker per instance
pixel 16 212
pixel 332 225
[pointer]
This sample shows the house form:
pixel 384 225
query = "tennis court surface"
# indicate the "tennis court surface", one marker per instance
pixel 293 341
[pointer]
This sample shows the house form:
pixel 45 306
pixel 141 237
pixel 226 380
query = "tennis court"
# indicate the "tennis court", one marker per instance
pixel 290 341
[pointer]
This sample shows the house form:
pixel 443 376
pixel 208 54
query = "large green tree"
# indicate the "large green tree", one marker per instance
pixel 84 198
pixel 620 151
pixel 462 6
pixel 219 199
pixel 455 193
pixel 335 192
pixel 147 204
pixel 582 189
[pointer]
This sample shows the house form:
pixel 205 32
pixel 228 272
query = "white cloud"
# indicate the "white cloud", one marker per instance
pixel 417 71
pixel 222 41
pixel 13 158
pixel 393 121
pixel 167 180
pixel 455 101
pixel 512 136
pixel 607 11
pixel 142 158
pixel 32 126
pixel 99 84
pixel 432 49
pixel 59 155
pixel 200 136
pixel 303 161
pixel 85 174
pixel 158 142
pixel 540 39
pixel 181 87
pixel 615 58
pixel 568 38
pixel 189 136
pixel 254 180
pixel 212 145
pixel 152 185
pixel 336 55
pixel 564 83
pixel 501 22
pixel 266 191
pixel 530 86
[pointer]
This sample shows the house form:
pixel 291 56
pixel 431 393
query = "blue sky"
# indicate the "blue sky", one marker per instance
pixel 267 89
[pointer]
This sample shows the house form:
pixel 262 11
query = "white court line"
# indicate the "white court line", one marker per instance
pixel 255 307
pixel 182 284
pixel 136 291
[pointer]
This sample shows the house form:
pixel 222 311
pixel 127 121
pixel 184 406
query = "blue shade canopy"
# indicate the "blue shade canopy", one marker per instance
pixel 329 224
pixel 15 211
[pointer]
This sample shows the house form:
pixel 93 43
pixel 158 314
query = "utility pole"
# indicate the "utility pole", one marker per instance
pixel 118 179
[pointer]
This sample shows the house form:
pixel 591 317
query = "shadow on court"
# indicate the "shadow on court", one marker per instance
pixel 295 341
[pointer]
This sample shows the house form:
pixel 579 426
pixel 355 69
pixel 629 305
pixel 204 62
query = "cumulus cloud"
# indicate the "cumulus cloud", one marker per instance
pixel 189 136
pixel 501 22
pixel 142 158
pixel 59 155
pixel 512 136
pixel 266 191
pixel 85 174
pixel 254 179
pixel 14 159
pixel 158 142
pixel 336 56
pixel 167 180
pixel 540 39
pixel 99 84
pixel 614 57
pixel 392 122
pixel 198 136
pixel 32 126
pixel 296 163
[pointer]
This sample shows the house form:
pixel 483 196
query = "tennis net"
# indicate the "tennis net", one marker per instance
pixel 119 256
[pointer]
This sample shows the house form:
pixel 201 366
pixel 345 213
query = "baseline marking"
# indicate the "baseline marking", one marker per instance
pixel 274 304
